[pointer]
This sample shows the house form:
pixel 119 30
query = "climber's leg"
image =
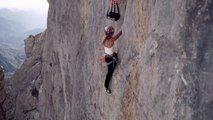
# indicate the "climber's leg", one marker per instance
pixel 111 68
pixel 109 75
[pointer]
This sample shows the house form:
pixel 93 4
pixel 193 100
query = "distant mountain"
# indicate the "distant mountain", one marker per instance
pixel 33 31
pixel 15 26
pixel 28 19
pixel 11 59
pixel 10 33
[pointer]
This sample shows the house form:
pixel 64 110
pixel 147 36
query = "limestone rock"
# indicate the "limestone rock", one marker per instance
pixel 27 80
pixel 1 77
pixel 2 94
pixel 165 63
pixel 165 69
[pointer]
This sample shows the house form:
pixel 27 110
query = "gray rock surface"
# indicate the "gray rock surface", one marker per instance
pixel 27 80
pixel 1 77
pixel 165 63
pixel 2 94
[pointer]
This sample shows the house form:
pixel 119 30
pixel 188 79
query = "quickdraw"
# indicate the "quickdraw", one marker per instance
pixel 113 11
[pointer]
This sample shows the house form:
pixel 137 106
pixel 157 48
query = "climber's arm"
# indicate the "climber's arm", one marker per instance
pixel 117 36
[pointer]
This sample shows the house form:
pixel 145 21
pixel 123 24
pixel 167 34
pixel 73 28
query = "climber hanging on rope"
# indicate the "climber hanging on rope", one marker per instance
pixel 113 11
pixel 110 56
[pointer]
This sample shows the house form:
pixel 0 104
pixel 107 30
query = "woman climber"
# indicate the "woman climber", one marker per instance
pixel 110 56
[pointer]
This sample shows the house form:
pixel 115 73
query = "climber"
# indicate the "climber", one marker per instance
pixel 111 13
pixel 110 56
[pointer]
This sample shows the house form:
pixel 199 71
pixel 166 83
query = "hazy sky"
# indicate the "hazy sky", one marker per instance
pixel 38 5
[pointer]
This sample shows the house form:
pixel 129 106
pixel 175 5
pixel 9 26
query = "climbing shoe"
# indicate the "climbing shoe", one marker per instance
pixel 108 90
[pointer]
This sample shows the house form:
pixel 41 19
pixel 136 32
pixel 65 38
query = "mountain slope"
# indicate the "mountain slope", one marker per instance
pixel 26 81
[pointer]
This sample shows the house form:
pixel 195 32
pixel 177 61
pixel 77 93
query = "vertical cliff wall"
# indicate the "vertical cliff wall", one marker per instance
pixel 165 63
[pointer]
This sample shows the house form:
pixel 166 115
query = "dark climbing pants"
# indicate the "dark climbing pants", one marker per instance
pixel 111 67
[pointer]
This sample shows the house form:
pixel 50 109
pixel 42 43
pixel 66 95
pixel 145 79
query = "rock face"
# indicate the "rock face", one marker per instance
pixel 2 94
pixel 165 63
pixel 27 81
pixel 1 77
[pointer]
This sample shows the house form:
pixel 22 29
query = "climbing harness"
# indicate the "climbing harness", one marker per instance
pixel 113 11
pixel 108 59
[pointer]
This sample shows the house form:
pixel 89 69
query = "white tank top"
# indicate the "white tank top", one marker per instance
pixel 108 51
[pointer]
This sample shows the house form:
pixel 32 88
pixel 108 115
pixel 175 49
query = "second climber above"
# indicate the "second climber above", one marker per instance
pixel 110 56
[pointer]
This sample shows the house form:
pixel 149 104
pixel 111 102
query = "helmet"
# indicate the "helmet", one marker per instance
pixel 109 30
